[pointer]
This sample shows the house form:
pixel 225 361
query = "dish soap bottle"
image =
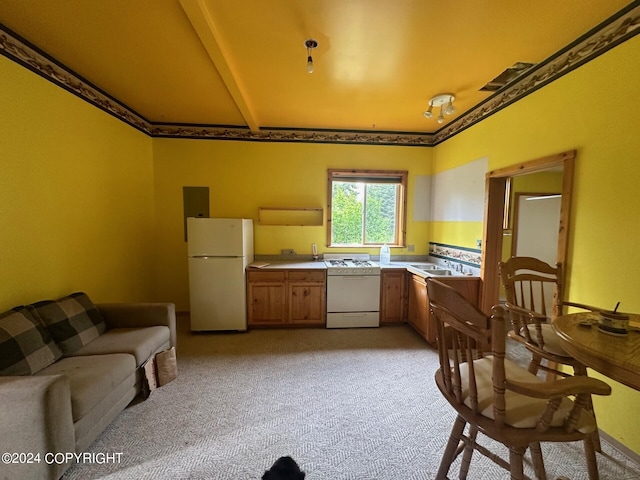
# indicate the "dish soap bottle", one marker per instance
pixel 385 254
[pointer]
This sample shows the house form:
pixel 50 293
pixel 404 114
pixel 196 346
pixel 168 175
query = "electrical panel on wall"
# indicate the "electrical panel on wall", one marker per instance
pixel 195 201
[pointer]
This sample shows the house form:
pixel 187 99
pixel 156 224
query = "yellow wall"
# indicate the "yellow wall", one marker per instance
pixel 462 234
pixel 595 110
pixel 76 197
pixel 243 176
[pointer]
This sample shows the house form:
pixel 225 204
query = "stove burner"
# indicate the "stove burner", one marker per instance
pixel 362 263
pixel 338 263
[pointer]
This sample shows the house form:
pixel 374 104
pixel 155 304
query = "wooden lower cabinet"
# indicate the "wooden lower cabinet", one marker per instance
pixel 297 297
pixel 267 302
pixel 306 304
pixel 286 297
pixel 418 313
pixel 307 297
pixel 393 296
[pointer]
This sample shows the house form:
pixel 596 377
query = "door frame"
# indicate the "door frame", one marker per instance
pixel 494 204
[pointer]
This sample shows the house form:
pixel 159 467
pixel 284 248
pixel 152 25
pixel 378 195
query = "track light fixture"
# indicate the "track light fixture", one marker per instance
pixel 445 102
pixel 310 44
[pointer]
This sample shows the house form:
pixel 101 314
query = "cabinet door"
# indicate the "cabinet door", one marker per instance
pixel 307 303
pixel 418 314
pixel 469 288
pixel 429 325
pixel 266 298
pixel 392 296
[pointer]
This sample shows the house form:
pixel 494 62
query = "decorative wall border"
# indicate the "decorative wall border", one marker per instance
pixel 613 31
pixel 469 256
pixel 24 53
pixel 21 51
pixel 617 29
pixel 297 135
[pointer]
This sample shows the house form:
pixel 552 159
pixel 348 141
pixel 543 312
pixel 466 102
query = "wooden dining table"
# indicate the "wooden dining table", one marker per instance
pixel 615 356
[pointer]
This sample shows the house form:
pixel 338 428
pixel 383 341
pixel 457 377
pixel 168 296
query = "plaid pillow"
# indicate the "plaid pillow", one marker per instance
pixel 26 347
pixel 73 321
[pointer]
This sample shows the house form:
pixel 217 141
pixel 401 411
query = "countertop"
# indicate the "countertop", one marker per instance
pixel 319 265
pixel 394 265
pixel 288 265
pixel 416 271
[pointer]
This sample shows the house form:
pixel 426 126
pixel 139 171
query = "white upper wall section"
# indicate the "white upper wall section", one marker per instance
pixel 457 195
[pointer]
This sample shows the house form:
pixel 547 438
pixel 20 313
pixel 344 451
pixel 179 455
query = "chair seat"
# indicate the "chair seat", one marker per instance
pixel 521 411
pixel 552 342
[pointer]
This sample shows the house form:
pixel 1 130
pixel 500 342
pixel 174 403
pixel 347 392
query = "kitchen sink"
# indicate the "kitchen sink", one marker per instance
pixel 427 266
pixel 430 269
pixel 439 271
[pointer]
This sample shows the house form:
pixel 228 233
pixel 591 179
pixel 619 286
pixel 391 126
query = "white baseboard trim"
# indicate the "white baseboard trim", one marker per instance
pixel 620 447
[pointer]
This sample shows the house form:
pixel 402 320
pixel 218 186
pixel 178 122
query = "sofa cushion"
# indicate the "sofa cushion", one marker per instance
pixel 73 321
pixel 139 342
pixel 91 377
pixel 26 347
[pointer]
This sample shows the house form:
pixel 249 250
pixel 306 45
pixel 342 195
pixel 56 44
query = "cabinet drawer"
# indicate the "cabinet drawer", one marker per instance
pixel 307 276
pixel 266 276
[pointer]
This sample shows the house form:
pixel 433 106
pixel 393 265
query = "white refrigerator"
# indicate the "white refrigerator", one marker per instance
pixel 219 250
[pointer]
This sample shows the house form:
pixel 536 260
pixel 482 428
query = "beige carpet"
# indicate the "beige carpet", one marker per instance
pixel 357 404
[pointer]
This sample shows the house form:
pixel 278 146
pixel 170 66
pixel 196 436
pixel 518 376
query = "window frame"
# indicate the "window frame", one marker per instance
pixel 334 174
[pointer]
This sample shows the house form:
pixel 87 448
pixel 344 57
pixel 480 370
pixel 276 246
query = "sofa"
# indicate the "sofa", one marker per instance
pixel 67 369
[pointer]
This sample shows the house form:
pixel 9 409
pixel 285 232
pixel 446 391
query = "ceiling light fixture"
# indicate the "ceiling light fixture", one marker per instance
pixel 310 44
pixel 440 101
pixel 429 112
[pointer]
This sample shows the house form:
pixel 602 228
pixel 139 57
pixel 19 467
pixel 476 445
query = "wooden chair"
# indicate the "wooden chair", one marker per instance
pixel 534 295
pixel 497 397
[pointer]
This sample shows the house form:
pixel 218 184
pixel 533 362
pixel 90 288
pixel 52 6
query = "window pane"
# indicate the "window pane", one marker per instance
pixel 366 207
pixel 347 207
pixel 380 214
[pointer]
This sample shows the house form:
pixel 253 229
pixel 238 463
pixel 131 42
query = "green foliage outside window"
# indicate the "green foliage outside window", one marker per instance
pixel 380 213
pixel 363 213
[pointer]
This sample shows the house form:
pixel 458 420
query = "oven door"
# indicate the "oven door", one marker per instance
pixel 353 293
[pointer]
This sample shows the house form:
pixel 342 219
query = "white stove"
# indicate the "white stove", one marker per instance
pixel 356 264
pixel 353 291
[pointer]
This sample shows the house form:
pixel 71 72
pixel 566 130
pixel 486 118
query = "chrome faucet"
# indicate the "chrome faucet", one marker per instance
pixel 456 267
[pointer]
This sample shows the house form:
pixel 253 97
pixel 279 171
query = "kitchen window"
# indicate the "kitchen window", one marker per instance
pixel 366 208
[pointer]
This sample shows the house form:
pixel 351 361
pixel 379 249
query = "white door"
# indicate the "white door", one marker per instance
pixel 537 233
pixel 537 227
pixel 217 294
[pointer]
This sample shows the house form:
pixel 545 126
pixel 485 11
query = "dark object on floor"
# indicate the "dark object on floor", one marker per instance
pixel 285 468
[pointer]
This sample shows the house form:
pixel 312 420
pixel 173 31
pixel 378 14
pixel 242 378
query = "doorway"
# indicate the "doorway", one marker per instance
pixel 536 217
pixel 497 198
